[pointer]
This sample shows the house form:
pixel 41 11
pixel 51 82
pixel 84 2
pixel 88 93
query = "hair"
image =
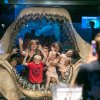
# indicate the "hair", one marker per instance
pixel 32 42
pixel 57 43
pixel 70 50
pixel 13 59
pixel 97 39
pixel 37 57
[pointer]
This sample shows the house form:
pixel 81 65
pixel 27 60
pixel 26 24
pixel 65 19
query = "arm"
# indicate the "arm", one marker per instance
pixel 44 55
pixel 29 57
pixel 47 62
pixel 21 46
pixel 14 51
pixel 24 61
pixel 57 60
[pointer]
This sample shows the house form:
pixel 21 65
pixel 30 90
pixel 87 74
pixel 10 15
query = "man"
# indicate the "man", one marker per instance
pixel 89 76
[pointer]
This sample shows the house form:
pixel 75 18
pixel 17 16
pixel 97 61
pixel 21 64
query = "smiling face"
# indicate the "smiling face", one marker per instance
pixel 37 59
pixel 56 47
pixel 52 55
pixel 69 53
pixel 33 45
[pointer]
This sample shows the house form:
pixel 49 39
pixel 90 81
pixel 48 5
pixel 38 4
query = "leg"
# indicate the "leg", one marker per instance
pixel 48 81
pixel 63 75
pixel 57 81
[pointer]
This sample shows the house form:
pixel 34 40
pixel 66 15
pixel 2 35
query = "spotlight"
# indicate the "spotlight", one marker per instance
pixel 3 25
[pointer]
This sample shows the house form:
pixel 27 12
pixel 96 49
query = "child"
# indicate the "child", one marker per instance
pixel 13 62
pixel 51 62
pixel 69 53
pixel 64 62
pixel 56 46
pixel 36 67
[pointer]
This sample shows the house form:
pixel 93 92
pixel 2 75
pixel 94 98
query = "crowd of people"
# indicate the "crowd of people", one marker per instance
pixel 40 60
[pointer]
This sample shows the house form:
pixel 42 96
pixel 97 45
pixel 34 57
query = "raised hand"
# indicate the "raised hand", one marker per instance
pixel 30 54
pixel 14 51
pixel 20 41
pixel 39 47
pixel 26 52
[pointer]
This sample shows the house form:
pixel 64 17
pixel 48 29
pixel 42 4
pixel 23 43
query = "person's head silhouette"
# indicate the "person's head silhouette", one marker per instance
pixel 92 23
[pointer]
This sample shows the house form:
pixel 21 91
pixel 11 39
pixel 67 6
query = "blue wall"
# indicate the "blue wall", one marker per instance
pixel 11 12
pixel 86 34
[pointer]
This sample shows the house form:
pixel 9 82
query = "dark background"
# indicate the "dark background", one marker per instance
pixel 9 10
